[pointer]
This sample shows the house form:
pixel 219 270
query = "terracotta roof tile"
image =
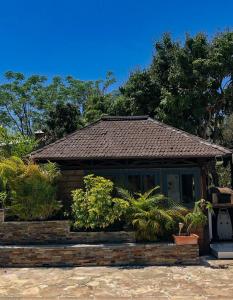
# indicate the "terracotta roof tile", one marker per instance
pixel 128 137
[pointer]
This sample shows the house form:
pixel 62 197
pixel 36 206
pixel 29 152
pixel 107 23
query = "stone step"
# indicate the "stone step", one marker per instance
pixel 222 250
pixel 97 255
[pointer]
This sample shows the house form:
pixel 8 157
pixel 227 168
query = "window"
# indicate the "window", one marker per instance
pixel 173 186
pixel 134 182
pixel 182 184
pixel 188 188
pixel 148 182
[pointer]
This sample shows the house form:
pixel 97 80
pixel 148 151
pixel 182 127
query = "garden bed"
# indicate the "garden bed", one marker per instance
pixel 48 232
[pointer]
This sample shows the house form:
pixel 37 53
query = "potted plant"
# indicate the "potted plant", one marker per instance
pixel 3 197
pixel 192 221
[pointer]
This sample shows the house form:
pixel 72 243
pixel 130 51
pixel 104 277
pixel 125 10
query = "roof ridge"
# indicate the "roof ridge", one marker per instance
pixel 124 118
pixel 190 135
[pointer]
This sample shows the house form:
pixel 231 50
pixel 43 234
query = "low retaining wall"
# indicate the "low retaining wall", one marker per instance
pixel 98 255
pixel 47 232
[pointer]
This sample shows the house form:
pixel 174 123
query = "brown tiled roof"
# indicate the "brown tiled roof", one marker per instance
pixel 128 137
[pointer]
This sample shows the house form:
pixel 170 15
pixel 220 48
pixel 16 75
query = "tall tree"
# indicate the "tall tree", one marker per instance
pixel 63 119
pixel 15 144
pixel 100 100
pixel 19 107
pixel 142 93
pixel 25 103
pixel 188 85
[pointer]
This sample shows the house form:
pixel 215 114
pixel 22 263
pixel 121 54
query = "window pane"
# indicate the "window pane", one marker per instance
pixel 148 182
pixel 188 191
pixel 134 183
pixel 173 186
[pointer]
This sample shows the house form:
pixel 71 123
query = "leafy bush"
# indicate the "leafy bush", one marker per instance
pixel 31 188
pixel 152 214
pixel 198 218
pixel 15 144
pixel 94 206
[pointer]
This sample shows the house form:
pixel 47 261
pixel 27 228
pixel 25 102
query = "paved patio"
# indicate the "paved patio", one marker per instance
pixel 212 280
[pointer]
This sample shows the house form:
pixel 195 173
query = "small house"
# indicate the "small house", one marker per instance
pixel 136 152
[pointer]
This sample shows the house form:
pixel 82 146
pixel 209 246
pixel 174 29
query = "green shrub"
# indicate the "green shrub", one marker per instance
pixel 31 188
pixel 94 206
pixel 152 214
pixel 198 217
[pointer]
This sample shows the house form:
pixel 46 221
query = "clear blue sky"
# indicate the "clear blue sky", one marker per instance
pixel 86 38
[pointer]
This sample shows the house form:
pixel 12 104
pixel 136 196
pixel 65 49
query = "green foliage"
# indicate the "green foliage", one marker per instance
pixel 15 144
pixel 228 132
pixel 142 94
pixel 197 218
pixel 100 102
pixel 31 189
pixel 224 175
pixel 94 206
pixel 65 103
pixel 62 119
pixel 10 168
pixel 188 85
pixel 152 214
pixel 19 102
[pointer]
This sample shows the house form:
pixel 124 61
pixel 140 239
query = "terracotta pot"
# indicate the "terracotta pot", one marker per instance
pixel 191 239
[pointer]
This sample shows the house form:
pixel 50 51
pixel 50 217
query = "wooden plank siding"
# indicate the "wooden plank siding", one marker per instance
pixel 69 180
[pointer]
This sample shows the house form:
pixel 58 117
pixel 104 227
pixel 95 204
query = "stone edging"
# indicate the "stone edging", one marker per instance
pixel 98 255
pixel 47 232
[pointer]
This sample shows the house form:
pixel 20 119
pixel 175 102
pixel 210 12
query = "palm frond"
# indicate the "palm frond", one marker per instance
pixel 125 194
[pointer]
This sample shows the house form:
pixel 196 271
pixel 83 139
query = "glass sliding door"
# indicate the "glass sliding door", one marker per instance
pixel 173 187
pixel 182 184
pixel 136 180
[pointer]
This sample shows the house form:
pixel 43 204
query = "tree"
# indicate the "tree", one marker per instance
pixel 189 85
pixel 100 101
pixel 26 102
pixel 19 107
pixel 228 132
pixel 15 144
pixel 63 119
pixel 141 93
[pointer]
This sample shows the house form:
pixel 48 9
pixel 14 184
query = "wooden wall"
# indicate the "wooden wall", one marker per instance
pixel 69 180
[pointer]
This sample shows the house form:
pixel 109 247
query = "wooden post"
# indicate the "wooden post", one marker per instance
pixel 203 183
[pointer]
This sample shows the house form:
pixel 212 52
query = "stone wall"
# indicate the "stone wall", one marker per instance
pixel 98 255
pixel 16 233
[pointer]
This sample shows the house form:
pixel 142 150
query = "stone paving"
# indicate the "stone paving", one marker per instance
pixel 213 279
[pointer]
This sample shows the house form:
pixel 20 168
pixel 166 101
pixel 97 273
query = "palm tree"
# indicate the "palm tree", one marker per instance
pixel 151 213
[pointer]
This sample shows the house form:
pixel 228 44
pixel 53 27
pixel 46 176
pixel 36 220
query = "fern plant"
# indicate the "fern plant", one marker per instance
pixel 151 213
